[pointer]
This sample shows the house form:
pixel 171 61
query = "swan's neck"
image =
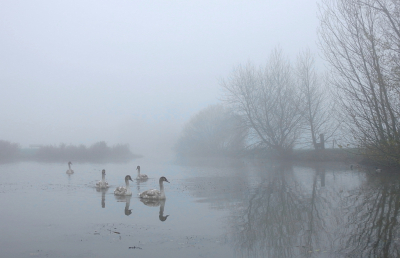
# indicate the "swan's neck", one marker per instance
pixel 69 165
pixel 103 177
pixel 138 172
pixel 161 187
pixel 127 184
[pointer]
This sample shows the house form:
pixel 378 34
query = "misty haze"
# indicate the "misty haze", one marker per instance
pixel 200 128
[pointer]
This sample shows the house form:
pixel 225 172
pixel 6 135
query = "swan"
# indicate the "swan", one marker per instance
pixel 124 190
pixel 140 176
pixel 154 193
pixel 103 183
pixel 69 171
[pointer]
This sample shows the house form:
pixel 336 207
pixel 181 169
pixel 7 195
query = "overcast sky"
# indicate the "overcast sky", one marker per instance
pixel 130 71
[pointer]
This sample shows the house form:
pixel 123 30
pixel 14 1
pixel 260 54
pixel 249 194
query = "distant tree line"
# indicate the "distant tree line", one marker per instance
pixel 213 131
pixel 9 151
pixel 96 153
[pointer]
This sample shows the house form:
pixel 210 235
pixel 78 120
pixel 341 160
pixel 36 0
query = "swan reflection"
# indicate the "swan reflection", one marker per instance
pixel 156 203
pixel 69 178
pixel 127 200
pixel 103 196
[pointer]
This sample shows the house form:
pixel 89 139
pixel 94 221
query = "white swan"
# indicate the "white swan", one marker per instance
pixel 103 183
pixel 154 193
pixel 69 171
pixel 140 176
pixel 124 190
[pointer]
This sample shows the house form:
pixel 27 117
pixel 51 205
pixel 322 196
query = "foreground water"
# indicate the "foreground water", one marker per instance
pixel 243 208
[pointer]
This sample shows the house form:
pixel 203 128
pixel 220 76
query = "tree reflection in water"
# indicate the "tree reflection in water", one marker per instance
pixel 271 222
pixel 326 210
pixel 293 213
pixel 372 228
pixel 287 216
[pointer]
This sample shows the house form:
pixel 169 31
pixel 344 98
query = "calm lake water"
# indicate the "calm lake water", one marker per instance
pixel 242 208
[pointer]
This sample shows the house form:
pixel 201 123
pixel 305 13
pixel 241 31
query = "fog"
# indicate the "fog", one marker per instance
pixel 79 72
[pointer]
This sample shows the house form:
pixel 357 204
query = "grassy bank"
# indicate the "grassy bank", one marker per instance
pixel 336 155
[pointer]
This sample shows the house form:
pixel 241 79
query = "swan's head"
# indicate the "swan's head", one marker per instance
pixel 163 178
pixel 128 177
pixel 138 168
pixel 69 163
pixel 103 172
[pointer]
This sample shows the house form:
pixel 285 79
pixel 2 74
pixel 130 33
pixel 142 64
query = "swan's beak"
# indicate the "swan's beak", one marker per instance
pixel 166 180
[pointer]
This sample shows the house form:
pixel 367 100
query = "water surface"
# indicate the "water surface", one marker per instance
pixel 223 208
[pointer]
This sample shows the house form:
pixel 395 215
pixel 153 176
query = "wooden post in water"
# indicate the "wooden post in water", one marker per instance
pixel 322 141
pixel 321 144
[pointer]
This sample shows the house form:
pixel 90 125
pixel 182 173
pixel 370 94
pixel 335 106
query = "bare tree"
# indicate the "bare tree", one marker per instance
pixel 360 41
pixel 318 113
pixel 268 102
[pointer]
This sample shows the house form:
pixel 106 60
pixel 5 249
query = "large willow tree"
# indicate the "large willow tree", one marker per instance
pixel 361 42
